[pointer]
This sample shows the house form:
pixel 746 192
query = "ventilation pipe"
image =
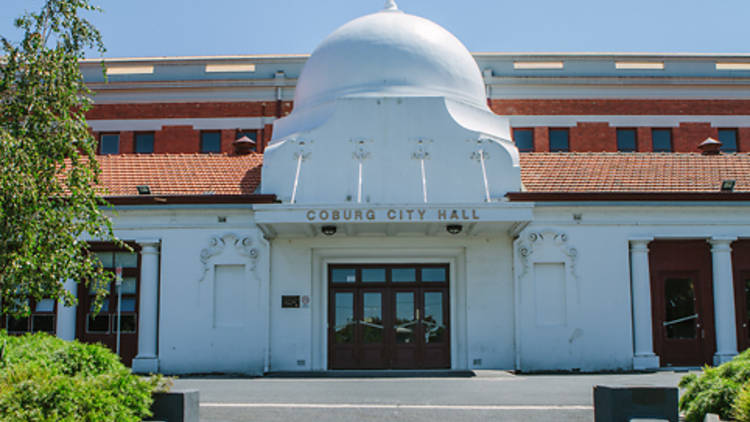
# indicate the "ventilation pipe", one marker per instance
pixel 710 147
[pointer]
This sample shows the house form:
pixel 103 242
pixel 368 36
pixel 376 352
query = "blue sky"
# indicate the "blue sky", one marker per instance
pixel 220 27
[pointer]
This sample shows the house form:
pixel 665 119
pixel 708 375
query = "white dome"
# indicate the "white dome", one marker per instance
pixel 390 53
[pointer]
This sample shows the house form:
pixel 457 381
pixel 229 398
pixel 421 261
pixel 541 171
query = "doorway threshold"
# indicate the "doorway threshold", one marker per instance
pixel 374 373
pixel 678 368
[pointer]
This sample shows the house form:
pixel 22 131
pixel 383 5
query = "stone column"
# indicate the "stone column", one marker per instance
pixel 643 338
pixel 66 316
pixel 724 317
pixel 147 360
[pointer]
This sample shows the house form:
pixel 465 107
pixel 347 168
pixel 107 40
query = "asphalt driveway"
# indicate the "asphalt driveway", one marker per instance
pixel 489 395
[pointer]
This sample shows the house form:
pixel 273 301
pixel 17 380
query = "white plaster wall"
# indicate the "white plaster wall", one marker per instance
pixel 328 139
pixel 481 294
pixel 189 340
pixel 598 333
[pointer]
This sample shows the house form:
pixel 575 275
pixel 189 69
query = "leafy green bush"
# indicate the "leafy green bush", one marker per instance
pixel 716 390
pixel 45 379
pixel 741 405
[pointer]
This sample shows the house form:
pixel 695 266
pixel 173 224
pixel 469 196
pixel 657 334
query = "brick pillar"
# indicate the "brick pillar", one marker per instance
pixel 541 139
pixel 743 139
pixel 689 135
pixel 265 137
pixel 593 136
pixel 127 142
pixel 644 140
pixel 177 139
pixel 227 137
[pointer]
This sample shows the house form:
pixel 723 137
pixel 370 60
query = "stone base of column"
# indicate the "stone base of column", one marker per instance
pixel 644 362
pixel 145 365
pixel 720 358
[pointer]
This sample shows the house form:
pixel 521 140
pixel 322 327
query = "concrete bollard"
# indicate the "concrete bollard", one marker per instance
pixel 176 406
pixel 626 403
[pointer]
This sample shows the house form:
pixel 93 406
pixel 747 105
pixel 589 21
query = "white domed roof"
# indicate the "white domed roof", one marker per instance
pixel 390 53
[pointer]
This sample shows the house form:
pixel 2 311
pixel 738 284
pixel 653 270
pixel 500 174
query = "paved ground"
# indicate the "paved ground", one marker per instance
pixel 490 395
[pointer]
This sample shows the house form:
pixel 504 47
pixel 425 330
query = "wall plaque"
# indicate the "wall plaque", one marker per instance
pixel 289 301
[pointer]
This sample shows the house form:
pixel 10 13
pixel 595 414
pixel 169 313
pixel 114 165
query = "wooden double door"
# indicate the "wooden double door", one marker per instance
pixel 682 302
pixel 389 316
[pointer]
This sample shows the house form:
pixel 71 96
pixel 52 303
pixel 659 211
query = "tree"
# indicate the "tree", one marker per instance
pixel 49 199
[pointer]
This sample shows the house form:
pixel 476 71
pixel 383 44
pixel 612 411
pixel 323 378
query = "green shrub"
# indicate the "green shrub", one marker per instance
pixel 45 379
pixel 741 405
pixel 716 390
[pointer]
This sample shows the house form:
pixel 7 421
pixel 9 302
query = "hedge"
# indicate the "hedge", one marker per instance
pixel 722 390
pixel 46 379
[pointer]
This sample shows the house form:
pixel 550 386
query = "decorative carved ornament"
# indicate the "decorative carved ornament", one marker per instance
pixel 217 244
pixel 534 239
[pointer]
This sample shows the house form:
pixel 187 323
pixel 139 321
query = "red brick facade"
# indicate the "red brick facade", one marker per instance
pixel 584 137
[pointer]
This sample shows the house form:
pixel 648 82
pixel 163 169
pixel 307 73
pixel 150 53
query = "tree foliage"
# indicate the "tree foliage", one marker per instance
pixel 49 200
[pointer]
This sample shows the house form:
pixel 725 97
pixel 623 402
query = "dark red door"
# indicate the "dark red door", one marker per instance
pixel 741 267
pixel 389 316
pixel 682 302
pixel 102 327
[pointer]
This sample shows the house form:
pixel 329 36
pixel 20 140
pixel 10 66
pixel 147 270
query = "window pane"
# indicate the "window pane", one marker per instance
pixel 97 324
pixel 44 323
pixel 728 139
pixel 344 309
pixel 110 144
pixel 105 305
pixel 372 318
pixel 373 275
pixel 405 321
pixel 128 304
pixel 45 305
pixel 403 275
pixel 433 274
pixel 626 140
pixel 680 305
pixel 524 139
pixel 17 325
pixel 433 318
pixel 92 289
pixel 662 140
pixel 343 275
pixel 126 260
pixel 127 323
pixel 558 140
pixel 128 286
pixel 210 141
pixel 144 143
pixel 105 258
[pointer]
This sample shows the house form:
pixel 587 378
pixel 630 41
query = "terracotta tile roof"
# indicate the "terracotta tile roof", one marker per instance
pixel 180 174
pixel 222 174
pixel 633 172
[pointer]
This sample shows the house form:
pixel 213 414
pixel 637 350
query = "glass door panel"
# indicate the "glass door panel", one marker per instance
pixel 372 318
pixel 405 323
pixel 681 317
pixel 344 318
pixel 432 321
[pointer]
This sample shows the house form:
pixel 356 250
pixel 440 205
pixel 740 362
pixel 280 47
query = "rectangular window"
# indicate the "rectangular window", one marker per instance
pixel 558 140
pixel 109 143
pixel 144 143
pixel 524 139
pixel 728 139
pixel 42 318
pixel 661 140
pixel 626 140
pixel 250 134
pixel 210 142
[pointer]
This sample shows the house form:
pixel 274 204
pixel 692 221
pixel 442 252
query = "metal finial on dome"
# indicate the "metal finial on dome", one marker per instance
pixel 390 5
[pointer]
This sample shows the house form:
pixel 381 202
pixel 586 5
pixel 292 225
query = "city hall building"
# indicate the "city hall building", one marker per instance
pixel 392 201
